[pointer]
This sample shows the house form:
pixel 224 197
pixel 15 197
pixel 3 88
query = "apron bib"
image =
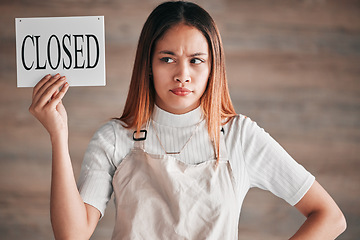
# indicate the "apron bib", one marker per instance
pixel 160 197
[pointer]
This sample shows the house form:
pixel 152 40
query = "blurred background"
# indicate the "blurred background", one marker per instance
pixel 293 67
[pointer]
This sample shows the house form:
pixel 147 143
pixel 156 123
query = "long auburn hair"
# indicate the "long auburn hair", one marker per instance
pixel 215 102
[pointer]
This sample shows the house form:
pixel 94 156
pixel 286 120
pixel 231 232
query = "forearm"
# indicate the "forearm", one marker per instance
pixel 68 212
pixel 70 217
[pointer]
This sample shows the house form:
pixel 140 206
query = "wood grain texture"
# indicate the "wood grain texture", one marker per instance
pixel 292 66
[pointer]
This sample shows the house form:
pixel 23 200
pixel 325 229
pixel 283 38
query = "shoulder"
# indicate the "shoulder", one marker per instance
pixel 111 132
pixel 112 139
pixel 113 127
pixel 241 123
pixel 241 131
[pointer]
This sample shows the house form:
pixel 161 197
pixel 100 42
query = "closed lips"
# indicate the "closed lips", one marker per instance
pixel 180 91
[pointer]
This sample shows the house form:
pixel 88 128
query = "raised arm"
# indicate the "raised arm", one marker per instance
pixel 71 218
pixel 324 218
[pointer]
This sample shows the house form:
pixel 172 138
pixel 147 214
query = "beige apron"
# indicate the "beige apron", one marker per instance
pixel 159 197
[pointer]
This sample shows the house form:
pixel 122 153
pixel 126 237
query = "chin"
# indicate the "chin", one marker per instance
pixel 185 108
pixel 177 106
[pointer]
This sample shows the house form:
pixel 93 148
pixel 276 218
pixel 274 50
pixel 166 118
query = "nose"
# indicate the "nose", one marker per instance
pixel 182 74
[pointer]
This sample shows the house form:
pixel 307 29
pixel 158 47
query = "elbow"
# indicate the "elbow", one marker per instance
pixel 69 236
pixel 341 222
pixel 336 222
pixel 62 232
pixel 331 222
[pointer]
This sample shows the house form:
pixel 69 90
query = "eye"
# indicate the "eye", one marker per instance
pixel 196 61
pixel 167 60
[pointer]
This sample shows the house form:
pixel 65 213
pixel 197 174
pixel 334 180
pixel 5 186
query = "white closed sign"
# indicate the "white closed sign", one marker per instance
pixel 71 46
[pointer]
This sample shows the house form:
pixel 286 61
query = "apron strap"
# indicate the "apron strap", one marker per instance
pixel 223 150
pixel 139 139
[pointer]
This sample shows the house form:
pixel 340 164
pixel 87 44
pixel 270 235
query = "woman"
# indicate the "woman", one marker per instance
pixel 179 160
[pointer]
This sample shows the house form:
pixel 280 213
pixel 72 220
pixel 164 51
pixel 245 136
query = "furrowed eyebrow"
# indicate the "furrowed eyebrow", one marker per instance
pixel 198 54
pixel 192 55
pixel 167 52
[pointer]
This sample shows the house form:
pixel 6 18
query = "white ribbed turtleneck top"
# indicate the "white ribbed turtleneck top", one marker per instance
pixel 256 159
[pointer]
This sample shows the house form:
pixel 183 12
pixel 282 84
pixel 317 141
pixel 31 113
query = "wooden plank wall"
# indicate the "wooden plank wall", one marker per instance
pixel 293 67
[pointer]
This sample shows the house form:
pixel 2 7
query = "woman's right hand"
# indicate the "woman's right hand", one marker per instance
pixel 71 218
pixel 47 104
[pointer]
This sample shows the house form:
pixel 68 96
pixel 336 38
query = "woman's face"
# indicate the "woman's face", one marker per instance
pixel 180 68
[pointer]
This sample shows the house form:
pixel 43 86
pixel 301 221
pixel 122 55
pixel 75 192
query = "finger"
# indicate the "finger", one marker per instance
pixel 57 99
pixel 40 84
pixel 54 95
pixel 46 85
pixel 50 91
pixel 44 100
